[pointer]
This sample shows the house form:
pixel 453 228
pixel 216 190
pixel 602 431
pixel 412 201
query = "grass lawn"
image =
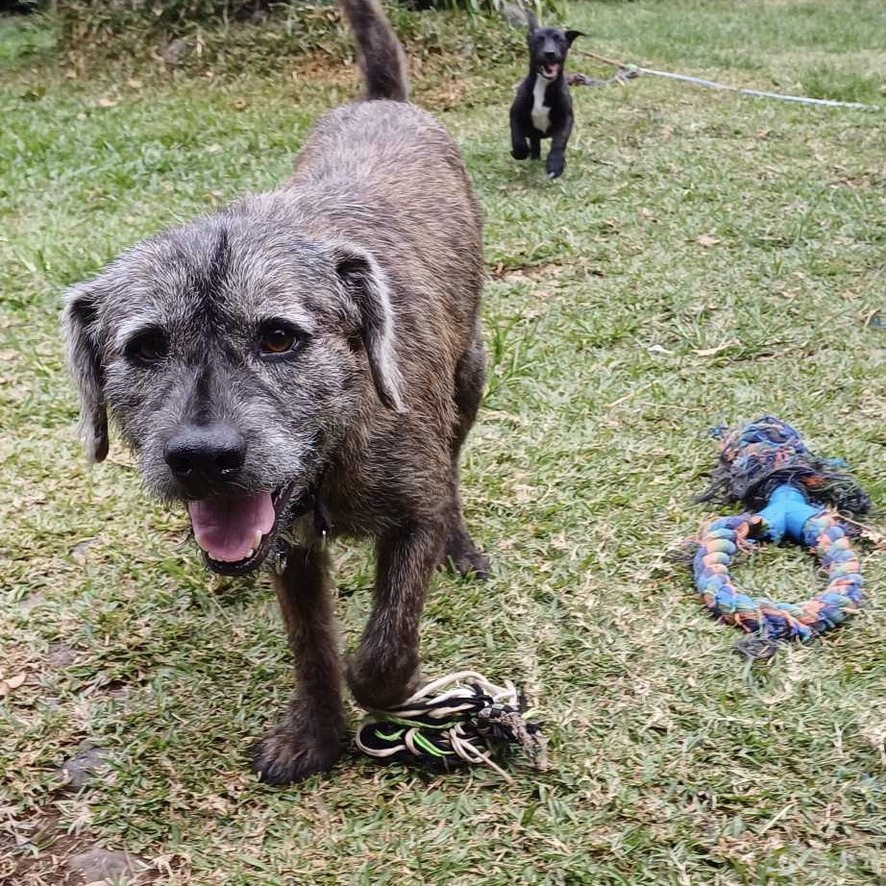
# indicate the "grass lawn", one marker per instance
pixel 706 258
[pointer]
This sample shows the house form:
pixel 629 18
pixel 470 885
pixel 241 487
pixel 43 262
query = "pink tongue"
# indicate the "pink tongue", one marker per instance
pixel 229 528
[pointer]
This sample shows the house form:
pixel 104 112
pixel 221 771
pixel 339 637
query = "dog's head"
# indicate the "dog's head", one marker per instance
pixel 548 48
pixel 232 357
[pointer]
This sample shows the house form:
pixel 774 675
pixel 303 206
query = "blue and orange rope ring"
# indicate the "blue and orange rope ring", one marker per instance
pixel 795 496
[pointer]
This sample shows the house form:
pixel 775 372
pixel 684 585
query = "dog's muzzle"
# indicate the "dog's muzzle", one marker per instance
pixel 236 533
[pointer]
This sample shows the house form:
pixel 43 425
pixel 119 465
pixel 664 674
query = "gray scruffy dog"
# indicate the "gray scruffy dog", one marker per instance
pixel 308 362
pixel 542 107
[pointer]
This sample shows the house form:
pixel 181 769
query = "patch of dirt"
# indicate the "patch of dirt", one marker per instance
pixel 442 96
pixel 859 181
pixel 327 72
pixel 85 767
pixel 533 272
pixel 543 271
pixel 38 861
pixel 40 853
pixel 100 864
pixel 60 655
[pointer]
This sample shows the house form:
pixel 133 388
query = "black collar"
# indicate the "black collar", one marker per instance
pixel 311 501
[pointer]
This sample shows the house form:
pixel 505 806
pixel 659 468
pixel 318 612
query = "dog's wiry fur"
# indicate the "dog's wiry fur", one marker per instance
pixel 371 251
pixel 542 107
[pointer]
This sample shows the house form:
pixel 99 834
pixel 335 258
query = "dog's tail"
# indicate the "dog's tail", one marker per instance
pixel 382 59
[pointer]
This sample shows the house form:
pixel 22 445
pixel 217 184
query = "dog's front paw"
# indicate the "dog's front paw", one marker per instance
pixel 520 151
pixel 382 679
pixel 291 752
pixel 556 167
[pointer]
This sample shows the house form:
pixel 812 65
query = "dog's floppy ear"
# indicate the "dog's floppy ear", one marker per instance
pixel 367 285
pixel 79 323
pixel 571 35
pixel 531 23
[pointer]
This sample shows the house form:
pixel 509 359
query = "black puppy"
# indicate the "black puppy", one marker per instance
pixel 543 106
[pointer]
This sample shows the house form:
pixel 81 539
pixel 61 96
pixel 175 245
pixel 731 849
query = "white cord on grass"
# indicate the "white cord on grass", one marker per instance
pixel 632 70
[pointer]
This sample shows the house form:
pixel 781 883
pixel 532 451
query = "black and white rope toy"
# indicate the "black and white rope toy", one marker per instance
pixel 457 720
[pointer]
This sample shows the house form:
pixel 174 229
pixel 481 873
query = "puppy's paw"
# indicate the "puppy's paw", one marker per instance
pixel 291 752
pixel 556 164
pixel 520 152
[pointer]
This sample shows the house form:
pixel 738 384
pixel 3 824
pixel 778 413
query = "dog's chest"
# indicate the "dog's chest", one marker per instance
pixel 541 113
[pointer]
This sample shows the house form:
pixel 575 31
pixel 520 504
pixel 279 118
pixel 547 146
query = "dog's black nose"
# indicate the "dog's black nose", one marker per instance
pixel 550 56
pixel 205 452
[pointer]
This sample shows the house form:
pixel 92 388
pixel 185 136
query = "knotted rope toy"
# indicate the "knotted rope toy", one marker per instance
pixel 456 720
pixel 791 494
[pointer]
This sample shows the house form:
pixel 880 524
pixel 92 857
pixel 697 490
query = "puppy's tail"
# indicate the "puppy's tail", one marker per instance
pixel 382 59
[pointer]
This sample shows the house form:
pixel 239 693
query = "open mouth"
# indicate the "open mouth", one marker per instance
pixel 236 533
pixel 549 71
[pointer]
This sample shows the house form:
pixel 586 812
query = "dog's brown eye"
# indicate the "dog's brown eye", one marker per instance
pixel 278 340
pixel 147 348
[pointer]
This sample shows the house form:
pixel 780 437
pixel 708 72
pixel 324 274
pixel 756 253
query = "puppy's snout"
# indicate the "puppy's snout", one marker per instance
pixel 205 452
pixel 551 56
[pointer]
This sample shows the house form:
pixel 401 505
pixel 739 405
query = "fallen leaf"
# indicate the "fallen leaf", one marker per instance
pixel 80 551
pixel 35 94
pixel 707 240
pixel 709 352
pixel 523 493
pixel 215 805
pixel 7 686
pixel 108 102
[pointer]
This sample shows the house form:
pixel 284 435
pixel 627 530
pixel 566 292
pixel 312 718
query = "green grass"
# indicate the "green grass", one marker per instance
pixel 617 338
pixel 22 39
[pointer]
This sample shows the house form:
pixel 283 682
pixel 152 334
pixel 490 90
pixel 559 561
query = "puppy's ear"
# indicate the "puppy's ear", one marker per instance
pixel 531 23
pixel 367 286
pixel 80 327
pixel 571 35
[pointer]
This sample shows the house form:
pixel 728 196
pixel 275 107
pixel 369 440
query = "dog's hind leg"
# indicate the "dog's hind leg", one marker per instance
pixel 385 668
pixel 534 147
pixel 308 739
pixel 460 553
